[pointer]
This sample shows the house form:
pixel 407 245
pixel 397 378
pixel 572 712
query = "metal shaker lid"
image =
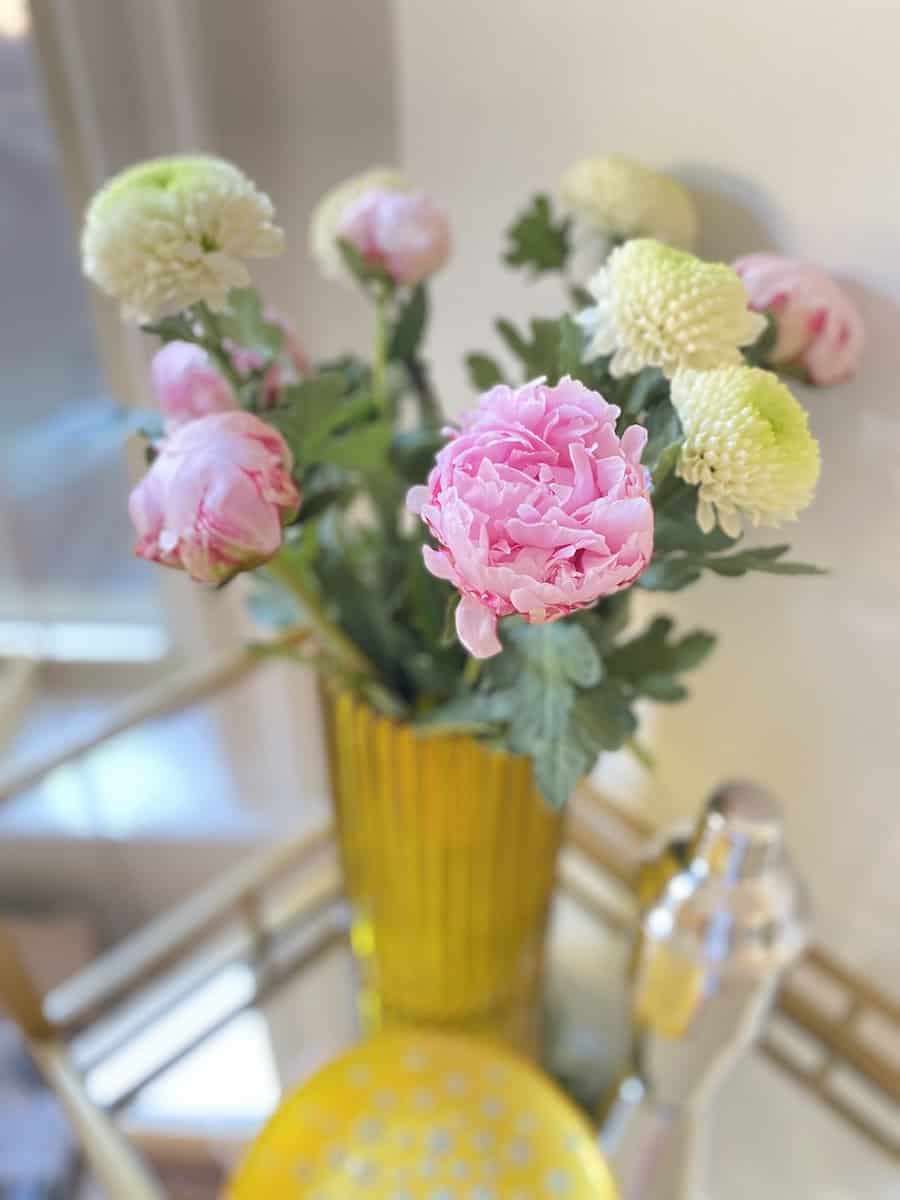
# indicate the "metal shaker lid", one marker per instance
pixel 739 901
pixel 740 836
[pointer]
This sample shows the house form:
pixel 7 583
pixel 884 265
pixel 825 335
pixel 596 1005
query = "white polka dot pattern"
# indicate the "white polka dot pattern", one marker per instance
pixel 424 1117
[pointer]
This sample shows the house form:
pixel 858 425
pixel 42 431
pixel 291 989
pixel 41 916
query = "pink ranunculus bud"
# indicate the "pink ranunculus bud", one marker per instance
pixel 291 365
pixel 538 506
pixel 188 385
pixel 216 497
pixel 819 327
pixel 404 233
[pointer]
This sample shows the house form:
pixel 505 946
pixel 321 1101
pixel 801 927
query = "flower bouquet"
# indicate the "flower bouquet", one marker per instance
pixel 465 585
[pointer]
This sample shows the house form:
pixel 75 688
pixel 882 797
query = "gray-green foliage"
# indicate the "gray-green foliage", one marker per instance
pixel 537 241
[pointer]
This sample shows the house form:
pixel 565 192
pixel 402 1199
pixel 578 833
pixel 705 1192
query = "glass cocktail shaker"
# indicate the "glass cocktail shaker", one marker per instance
pixel 723 916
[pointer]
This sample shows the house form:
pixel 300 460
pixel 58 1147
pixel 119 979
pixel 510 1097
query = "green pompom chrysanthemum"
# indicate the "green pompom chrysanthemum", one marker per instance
pixel 621 198
pixel 747 446
pixel 170 232
pixel 662 307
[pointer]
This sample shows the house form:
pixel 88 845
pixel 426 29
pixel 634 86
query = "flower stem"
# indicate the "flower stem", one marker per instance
pixel 380 352
pixel 331 637
pixel 472 671
pixel 211 342
pixel 429 405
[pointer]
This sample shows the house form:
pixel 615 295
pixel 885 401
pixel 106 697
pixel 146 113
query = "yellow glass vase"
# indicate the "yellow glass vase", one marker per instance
pixel 449 855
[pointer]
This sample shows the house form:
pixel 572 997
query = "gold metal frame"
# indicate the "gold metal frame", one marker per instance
pixel 283 909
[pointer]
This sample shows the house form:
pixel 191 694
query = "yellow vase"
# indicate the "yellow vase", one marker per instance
pixel 449 854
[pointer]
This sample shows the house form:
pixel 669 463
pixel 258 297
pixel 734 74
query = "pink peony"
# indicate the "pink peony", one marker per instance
pixel 819 327
pixel 539 508
pixel 187 384
pixel 292 364
pixel 406 234
pixel 216 497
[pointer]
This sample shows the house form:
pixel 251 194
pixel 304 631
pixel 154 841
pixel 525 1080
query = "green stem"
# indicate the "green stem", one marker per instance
pixel 429 405
pixel 211 342
pixel 380 352
pixel 331 636
pixel 472 671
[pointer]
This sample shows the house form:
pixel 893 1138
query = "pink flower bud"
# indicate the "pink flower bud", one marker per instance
pixel 216 497
pixel 819 327
pixel 406 234
pixel 538 506
pixel 187 384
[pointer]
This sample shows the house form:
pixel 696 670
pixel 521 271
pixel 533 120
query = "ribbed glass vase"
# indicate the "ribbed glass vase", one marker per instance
pixel 449 854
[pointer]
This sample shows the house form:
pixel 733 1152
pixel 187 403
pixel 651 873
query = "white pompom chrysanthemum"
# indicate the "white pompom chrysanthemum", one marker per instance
pixel 747 446
pixel 328 213
pixel 662 307
pixel 170 232
pixel 623 199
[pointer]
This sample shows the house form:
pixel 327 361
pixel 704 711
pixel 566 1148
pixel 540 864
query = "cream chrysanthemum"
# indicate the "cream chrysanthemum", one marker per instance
pixel 170 232
pixel 624 199
pixel 747 446
pixel 662 307
pixel 328 213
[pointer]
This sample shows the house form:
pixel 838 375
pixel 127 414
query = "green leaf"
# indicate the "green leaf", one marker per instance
pixel 571 349
pixel 559 767
pixel 448 636
pixel 176 328
pixel 314 411
pixel 606 620
pixel 409 329
pixel 554 659
pixel 476 712
pixel 538 354
pixel 670 574
pixel 640 661
pixel 484 371
pixel 760 558
pixel 648 389
pixel 243 321
pixel 665 465
pixel 537 241
pixel 662 687
pixel 676 525
pixel 603 718
pixel 581 297
pixel 353 370
pixel 363 449
pixel 670 571
pixel 559 650
pixel 322 489
pixel 427 599
pixel 663 428
pixel 413 452
pixel 543 707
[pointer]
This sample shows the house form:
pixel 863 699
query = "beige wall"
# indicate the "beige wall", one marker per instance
pixel 777 112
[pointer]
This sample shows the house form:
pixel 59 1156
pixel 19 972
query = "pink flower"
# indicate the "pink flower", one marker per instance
pixel 819 327
pixel 291 365
pixel 406 234
pixel 539 508
pixel 187 384
pixel 216 497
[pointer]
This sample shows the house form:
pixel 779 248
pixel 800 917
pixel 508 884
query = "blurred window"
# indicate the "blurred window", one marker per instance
pixel 69 586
